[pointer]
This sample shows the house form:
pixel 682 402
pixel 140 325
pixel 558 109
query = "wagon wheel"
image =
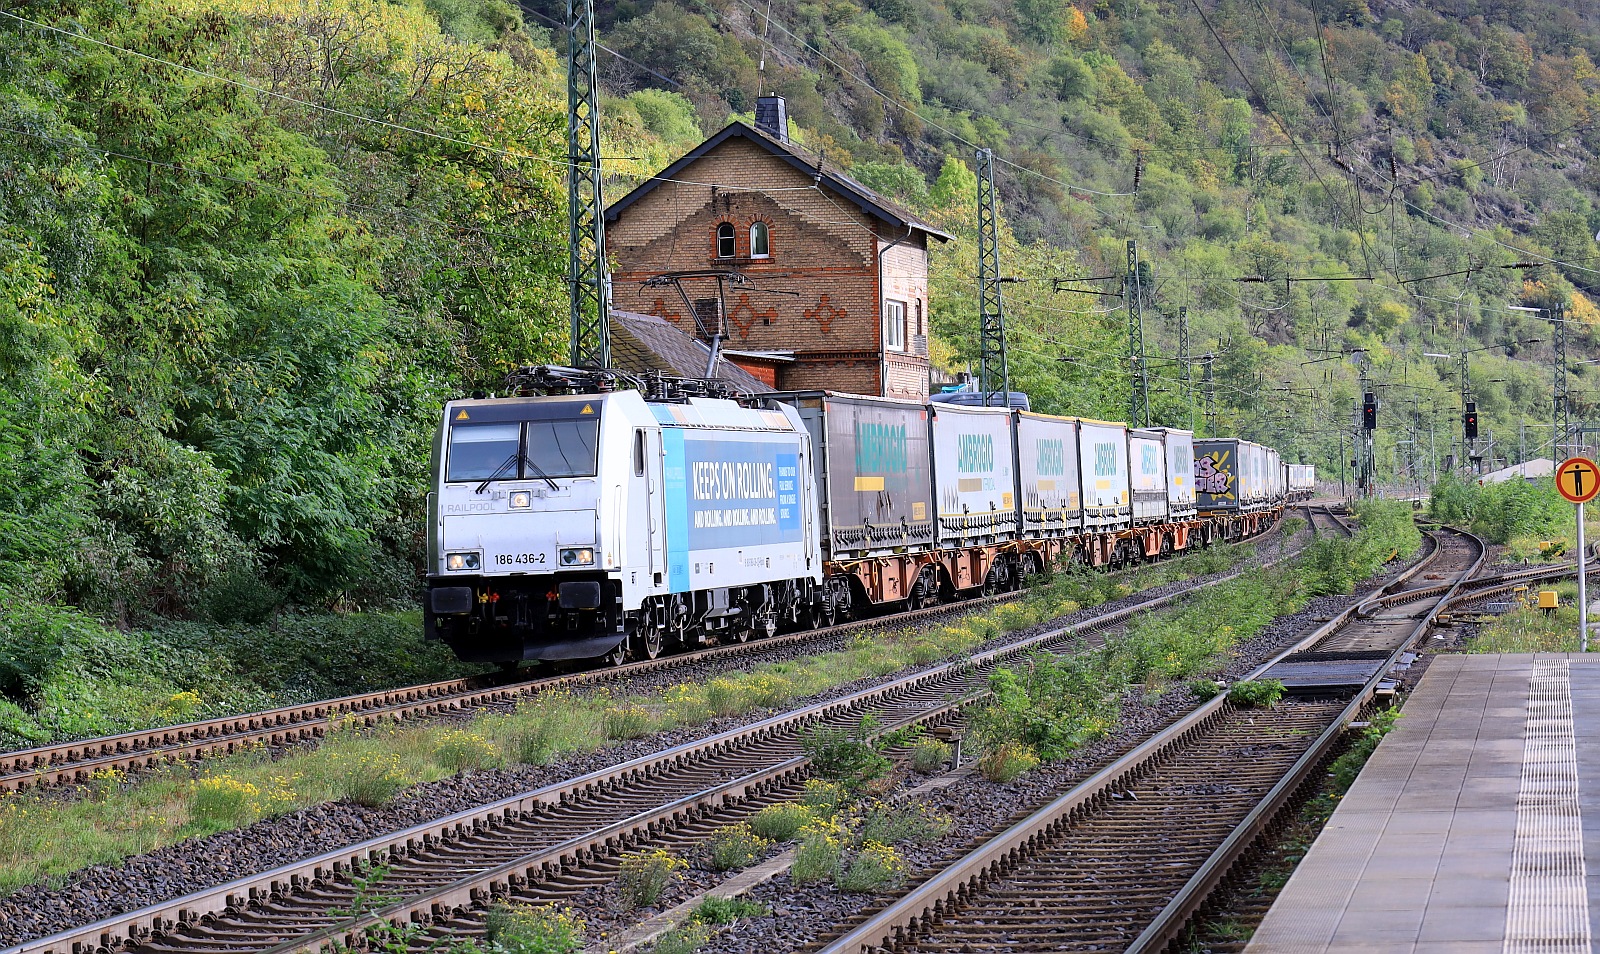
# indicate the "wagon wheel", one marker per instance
pixel 647 637
pixel 617 656
pixel 817 614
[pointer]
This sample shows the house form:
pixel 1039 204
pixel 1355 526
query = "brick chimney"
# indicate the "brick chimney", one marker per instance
pixel 772 117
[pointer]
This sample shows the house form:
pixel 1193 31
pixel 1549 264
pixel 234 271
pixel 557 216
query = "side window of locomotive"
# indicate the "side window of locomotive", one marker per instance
pixel 477 451
pixel 563 448
pixel 638 452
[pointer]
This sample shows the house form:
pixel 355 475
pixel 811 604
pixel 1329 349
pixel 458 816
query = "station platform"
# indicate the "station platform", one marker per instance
pixel 1475 826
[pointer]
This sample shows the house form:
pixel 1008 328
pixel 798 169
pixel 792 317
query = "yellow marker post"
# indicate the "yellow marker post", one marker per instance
pixel 1578 480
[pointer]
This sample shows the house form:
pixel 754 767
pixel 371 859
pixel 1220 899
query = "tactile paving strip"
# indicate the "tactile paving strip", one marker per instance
pixel 1549 911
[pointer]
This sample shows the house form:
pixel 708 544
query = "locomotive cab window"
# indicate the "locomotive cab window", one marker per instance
pixel 562 448
pixel 725 240
pixel 535 450
pixel 758 241
pixel 478 450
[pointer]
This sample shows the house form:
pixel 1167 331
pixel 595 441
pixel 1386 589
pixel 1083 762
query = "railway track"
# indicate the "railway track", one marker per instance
pixel 70 763
pixel 1324 518
pixel 543 840
pixel 1125 860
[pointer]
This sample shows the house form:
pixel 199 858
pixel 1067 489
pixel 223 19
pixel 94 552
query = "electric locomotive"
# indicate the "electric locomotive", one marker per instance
pixel 594 525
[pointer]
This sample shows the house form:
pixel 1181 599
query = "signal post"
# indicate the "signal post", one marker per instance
pixel 1578 480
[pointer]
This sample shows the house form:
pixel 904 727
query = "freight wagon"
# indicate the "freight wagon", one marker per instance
pixel 1232 487
pixel 1300 482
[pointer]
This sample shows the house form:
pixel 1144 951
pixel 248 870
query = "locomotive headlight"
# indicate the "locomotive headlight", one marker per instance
pixel 577 556
pixel 521 500
pixel 463 560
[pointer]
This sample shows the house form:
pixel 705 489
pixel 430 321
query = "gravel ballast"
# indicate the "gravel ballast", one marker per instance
pixel 199 863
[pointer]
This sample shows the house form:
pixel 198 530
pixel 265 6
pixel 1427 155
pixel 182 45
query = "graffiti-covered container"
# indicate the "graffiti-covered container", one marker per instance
pixel 1103 471
pixel 973 474
pixel 1217 474
pixel 872 463
pixel 1047 475
pixel 1147 475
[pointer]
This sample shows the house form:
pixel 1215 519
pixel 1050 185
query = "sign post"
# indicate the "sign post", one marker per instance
pixel 1578 480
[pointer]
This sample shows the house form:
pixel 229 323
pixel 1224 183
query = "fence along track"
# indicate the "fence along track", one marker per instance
pixel 293 901
pixel 70 763
pixel 1072 858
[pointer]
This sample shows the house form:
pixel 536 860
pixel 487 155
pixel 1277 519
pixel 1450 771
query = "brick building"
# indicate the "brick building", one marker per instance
pixel 812 279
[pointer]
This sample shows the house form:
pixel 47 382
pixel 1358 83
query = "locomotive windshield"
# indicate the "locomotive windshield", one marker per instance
pixel 529 450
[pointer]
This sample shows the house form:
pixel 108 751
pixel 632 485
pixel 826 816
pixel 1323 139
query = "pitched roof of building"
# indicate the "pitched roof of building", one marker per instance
pixel 810 163
pixel 643 343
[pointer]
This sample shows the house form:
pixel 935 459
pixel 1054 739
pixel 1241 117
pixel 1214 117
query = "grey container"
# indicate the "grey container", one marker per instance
pixel 872 462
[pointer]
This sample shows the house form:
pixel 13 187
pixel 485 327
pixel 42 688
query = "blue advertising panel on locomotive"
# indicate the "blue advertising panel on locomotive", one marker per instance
pixel 727 494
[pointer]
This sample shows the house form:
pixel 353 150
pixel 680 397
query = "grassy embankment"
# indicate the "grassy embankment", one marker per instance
pixel 40 839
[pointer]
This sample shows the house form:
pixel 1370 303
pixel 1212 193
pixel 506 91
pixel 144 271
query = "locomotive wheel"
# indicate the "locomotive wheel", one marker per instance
pixel 617 656
pixel 647 638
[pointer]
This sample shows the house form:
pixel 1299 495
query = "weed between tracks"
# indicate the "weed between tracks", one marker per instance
pixel 43 838
pixel 1053 705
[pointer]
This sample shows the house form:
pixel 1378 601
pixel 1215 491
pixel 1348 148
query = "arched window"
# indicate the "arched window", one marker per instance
pixel 758 240
pixel 725 240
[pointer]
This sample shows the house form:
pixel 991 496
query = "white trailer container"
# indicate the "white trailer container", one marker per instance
pixel 1103 471
pixel 973 478
pixel 1180 473
pixel 1047 475
pixel 1147 475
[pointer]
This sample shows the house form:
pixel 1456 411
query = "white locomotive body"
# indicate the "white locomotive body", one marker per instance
pixel 579 526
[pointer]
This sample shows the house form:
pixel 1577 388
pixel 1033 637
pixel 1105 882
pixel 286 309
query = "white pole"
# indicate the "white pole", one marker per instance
pixel 1583 590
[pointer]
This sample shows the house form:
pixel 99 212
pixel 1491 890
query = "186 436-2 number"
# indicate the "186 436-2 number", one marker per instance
pixel 513 559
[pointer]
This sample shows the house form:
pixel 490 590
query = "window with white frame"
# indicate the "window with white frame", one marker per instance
pixel 894 325
pixel 725 240
pixel 758 240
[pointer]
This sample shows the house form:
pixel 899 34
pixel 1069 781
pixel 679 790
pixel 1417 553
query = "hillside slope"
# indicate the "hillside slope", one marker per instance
pixel 1275 141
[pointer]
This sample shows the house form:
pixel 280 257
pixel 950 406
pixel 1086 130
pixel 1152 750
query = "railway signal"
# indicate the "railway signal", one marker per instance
pixel 1578 480
pixel 1369 411
pixel 1469 421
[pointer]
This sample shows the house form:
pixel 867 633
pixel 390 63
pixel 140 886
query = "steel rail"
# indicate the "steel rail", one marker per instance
pixel 140 926
pixel 1170 922
pixel 74 762
pixel 897 924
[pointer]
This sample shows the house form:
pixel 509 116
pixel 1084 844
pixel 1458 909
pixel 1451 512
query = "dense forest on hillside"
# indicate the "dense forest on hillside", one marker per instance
pixel 247 247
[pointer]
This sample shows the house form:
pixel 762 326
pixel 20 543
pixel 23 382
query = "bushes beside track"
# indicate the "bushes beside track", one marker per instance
pixel 1333 564
pixel 1517 513
pixel 72 676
